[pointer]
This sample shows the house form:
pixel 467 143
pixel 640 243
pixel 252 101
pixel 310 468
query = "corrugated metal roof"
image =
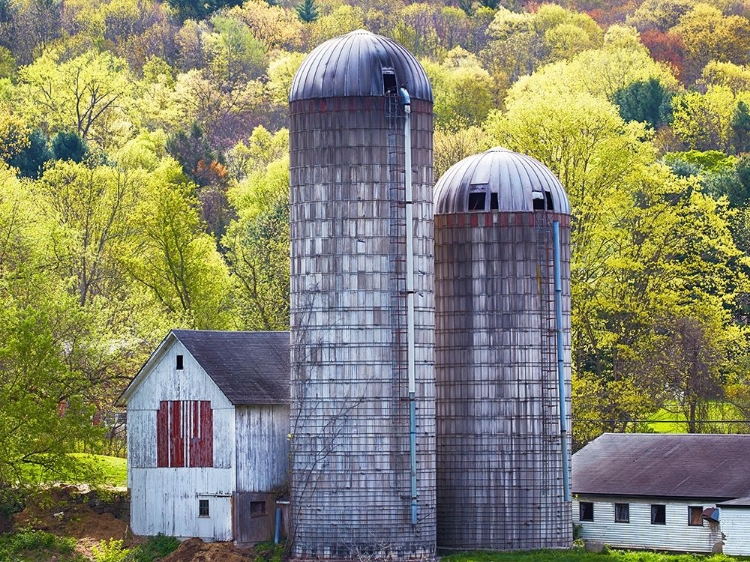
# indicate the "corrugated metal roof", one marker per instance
pixel 516 179
pixel 248 367
pixel 353 65
pixel 667 465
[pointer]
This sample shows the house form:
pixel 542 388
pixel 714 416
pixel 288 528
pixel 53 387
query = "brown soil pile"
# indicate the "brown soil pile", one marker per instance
pixel 62 513
pixel 195 550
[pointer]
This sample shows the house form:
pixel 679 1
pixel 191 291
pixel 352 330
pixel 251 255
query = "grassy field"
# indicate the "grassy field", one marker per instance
pixel 580 555
pixel 114 470
pixel 670 420
pixel 99 470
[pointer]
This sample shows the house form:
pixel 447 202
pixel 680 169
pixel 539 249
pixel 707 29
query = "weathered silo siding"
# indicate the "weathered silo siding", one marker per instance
pixel 499 449
pixel 350 410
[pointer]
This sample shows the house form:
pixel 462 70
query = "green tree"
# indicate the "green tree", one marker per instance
pixel 172 258
pixel 68 146
pixel 307 11
pixel 235 55
pixel 31 160
pixel 199 9
pixel 43 336
pixel 740 124
pixel 646 101
pixel 82 94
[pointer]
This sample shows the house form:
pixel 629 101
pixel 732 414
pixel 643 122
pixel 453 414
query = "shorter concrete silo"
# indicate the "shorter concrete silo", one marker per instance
pixel 502 232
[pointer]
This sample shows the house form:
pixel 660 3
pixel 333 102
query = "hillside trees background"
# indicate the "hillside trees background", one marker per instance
pixel 144 185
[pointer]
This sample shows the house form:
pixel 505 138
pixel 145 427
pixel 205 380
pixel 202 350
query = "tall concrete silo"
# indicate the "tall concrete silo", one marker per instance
pixel 502 350
pixel 362 303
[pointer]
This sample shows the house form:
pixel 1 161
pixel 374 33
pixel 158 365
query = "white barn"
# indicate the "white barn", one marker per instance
pixel 673 492
pixel 208 420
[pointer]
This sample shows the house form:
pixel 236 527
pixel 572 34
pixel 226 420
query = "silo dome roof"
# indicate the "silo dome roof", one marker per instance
pixel 359 63
pixel 499 179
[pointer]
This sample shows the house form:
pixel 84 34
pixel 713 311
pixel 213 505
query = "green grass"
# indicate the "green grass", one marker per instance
pixel 28 546
pixel 153 549
pixel 672 421
pixel 114 470
pixel 580 555
pixel 97 470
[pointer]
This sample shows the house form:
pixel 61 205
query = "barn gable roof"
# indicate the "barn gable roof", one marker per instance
pixel 248 367
pixel 665 465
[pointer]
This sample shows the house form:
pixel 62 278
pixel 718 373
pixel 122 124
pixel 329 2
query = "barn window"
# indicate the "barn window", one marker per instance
pixel 184 434
pixel 695 515
pixel 658 514
pixel 203 508
pixel 586 511
pixel 622 513
pixel 179 363
pixel 257 509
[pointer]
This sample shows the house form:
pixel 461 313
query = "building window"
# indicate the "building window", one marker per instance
pixel 658 514
pixel 179 363
pixel 257 509
pixel 184 434
pixel 695 515
pixel 586 511
pixel 622 513
pixel 203 508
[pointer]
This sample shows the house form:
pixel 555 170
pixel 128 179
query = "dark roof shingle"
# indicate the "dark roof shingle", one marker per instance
pixel 670 465
pixel 248 367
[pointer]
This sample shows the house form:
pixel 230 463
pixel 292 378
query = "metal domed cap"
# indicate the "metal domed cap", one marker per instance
pixel 499 179
pixel 359 63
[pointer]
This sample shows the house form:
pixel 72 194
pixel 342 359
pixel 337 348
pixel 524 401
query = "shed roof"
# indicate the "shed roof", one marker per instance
pixel 248 367
pixel 517 180
pixel 353 65
pixel 664 465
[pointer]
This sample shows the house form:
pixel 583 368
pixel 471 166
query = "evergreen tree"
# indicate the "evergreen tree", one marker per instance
pixel 308 11
pixel 31 159
pixel 741 127
pixel 645 101
pixel 68 146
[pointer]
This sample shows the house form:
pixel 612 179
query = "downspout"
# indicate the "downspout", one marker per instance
pixel 560 360
pixel 410 366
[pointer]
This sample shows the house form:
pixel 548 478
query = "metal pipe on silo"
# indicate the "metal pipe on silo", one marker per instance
pixel 561 359
pixel 408 196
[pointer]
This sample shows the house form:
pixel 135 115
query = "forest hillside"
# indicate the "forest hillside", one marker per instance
pixel 144 186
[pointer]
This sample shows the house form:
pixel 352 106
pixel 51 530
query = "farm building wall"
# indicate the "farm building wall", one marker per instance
pixel 675 534
pixel 735 524
pixel 166 499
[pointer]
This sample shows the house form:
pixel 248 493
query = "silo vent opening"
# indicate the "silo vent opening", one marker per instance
pixel 538 199
pixel 494 204
pixel 476 201
pixel 550 206
pixel 389 82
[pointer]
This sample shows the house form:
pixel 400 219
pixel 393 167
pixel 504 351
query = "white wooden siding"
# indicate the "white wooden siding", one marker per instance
pixel 735 524
pixel 165 500
pixel 262 447
pixel 165 382
pixel 640 533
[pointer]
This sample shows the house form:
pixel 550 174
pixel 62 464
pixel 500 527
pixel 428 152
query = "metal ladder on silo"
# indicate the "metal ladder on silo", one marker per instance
pixel 397 279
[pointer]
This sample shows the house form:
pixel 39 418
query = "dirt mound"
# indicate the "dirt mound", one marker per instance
pixel 68 512
pixel 195 550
